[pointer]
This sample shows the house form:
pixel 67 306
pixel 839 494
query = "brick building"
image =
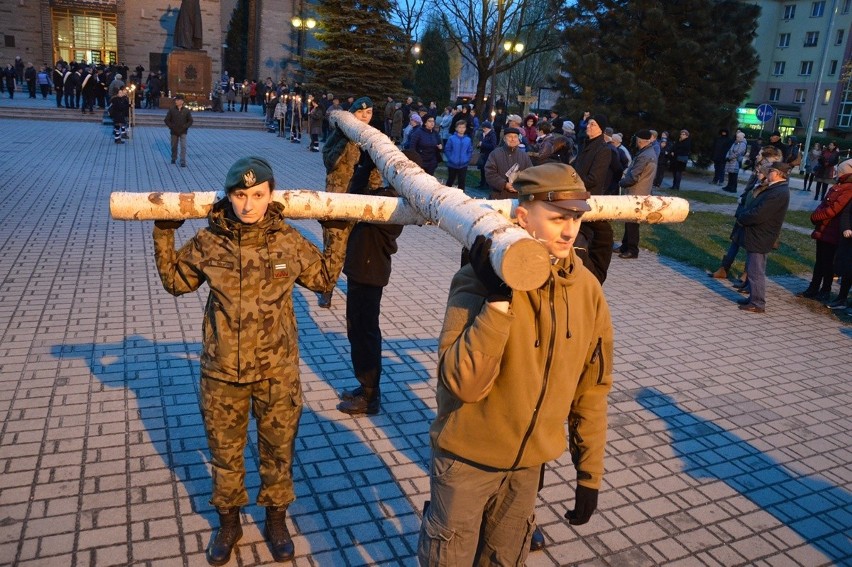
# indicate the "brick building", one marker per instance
pixel 140 32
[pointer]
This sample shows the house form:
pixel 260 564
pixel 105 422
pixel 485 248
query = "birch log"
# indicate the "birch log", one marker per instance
pixel 305 204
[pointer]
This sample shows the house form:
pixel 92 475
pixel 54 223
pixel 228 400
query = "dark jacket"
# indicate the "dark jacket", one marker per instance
pixel 119 109
pixel 486 146
pixel 680 154
pixel 762 218
pixel 178 121
pixel 843 257
pixel 616 169
pixel 593 165
pixel 425 142
pixel 370 247
pixel 499 162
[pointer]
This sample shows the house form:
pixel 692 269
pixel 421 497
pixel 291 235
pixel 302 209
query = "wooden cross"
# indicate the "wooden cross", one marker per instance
pixel 526 98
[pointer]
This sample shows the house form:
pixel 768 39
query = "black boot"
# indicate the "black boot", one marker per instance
pixel 230 532
pixel 368 402
pixel 354 393
pixel 277 533
pixel 809 293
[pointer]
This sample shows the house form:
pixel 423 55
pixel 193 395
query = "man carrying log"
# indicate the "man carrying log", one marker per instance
pixel 251 259
pixel 513 366
pixel 341 157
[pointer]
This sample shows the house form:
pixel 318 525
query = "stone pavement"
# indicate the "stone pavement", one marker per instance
pixel 729 432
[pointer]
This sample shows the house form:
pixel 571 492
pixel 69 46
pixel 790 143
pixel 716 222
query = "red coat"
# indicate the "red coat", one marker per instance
pixel 825 217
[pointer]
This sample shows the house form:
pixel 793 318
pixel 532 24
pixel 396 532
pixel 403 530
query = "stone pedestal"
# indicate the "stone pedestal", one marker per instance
pixel 190 73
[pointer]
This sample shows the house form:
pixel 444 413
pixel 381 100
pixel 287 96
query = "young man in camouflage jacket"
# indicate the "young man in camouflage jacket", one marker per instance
pixel 251 259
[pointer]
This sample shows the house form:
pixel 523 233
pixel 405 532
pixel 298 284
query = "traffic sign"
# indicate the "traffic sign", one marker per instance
pixel 765 113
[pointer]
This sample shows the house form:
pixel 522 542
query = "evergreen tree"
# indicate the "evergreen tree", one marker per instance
pixel 363 54
pixel 432 76
pixel 236 39
pixel 659 64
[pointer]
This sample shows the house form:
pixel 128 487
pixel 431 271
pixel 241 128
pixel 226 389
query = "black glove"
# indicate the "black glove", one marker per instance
pixel 586 501
pixel 168 224
pixel 479 260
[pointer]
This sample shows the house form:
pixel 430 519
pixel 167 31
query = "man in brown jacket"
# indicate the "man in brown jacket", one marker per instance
pixel 513 367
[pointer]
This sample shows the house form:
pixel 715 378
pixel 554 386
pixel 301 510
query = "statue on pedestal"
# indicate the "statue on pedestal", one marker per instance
pixel 188 26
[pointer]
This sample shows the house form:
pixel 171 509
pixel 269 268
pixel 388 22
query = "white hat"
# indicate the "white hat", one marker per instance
pixel 844 168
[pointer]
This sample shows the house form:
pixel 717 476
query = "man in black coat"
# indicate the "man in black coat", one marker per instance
pixel 367 268
pixel 721 145
pixel 58 77
pixel 761 219
pixel 178 119
pixel 594 243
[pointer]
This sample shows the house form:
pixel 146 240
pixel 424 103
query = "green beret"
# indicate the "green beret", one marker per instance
pixel 247 172
pixel 362 103
pixel 554 183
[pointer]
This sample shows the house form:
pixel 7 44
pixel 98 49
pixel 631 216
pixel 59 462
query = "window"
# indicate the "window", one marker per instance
pixel 811 39
pixel 839 39
pixel 832 68
pixel 84 35
pixel 817 9
pixel 827 96
pixel 784 40
pixel 806 68
pixel 845 8
pixel 774 95
pixel 789 11
pixel 779 68
pixel 821 125
pixel 800 95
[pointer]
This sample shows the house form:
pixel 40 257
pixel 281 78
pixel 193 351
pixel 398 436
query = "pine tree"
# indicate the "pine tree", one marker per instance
pixel 236 39
pixel 659 64
pixel 432 76
pixel 363 53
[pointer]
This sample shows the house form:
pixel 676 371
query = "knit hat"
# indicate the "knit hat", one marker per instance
pixel 415 118
pixel 362 103
pixel 644 134
pixel 554 183
pixel 601 120
pixel 248 172
pixel 844 168
pixel 567 125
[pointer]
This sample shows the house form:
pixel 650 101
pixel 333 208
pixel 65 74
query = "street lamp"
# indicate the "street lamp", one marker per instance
pixel 302 24
pixel 512 47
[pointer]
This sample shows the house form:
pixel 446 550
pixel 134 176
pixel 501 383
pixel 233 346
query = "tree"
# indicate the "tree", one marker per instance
pixel 659 64
pixel 473 28
pixel 432 76
pixel 236 55
pixel 363 54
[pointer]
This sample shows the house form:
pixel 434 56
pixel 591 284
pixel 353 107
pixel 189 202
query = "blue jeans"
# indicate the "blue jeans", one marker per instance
pixel 756 269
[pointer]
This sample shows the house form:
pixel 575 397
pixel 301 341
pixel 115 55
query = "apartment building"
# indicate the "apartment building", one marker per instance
pixel 804 70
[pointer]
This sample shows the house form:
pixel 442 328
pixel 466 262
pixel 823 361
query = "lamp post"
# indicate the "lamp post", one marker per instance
pixel 301 24
pixel 497 31
pixel 511 47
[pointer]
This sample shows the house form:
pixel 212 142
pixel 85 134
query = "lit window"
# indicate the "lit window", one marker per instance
pixel 806 68
pixel 778 69
pixel 784 40
pixel 800 95
pixel 811 39
pixel 774 95
pixel 817 9
pixel 85 35
pixel 827 98
pixel 821 125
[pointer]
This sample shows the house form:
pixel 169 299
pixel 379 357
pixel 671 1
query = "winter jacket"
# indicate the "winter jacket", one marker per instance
pixel 592 165
pixel 370 247
pixel 762 217
pixel 178 120
pixel 119 109
pixel 249 330
pixel 680 154
pixel 486 146
pixel 425 142
pixel 498 164
pixel 826 216
pixel 457 151
pixel 507 382
pixel 396 125
pixel 315 118
pixel 734 157
pixel 826 163
pixel 640 175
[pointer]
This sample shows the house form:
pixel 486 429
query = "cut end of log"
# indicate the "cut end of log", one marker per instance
pixel 526 265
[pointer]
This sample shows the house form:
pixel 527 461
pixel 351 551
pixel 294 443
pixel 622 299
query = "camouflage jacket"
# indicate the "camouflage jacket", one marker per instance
pixel 340 157
pixel 249 329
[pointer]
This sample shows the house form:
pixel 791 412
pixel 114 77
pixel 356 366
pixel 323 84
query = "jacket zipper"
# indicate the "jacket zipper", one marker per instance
pixel 598 353
pixel 550 347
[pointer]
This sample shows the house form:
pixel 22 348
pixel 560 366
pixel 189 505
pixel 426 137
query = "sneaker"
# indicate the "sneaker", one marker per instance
pixel 837 304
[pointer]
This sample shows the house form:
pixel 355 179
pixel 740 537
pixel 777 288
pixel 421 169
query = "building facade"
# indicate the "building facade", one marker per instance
pixel 804 51
pixel 141 32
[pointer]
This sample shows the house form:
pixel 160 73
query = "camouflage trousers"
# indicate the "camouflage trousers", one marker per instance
pixel 276 405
